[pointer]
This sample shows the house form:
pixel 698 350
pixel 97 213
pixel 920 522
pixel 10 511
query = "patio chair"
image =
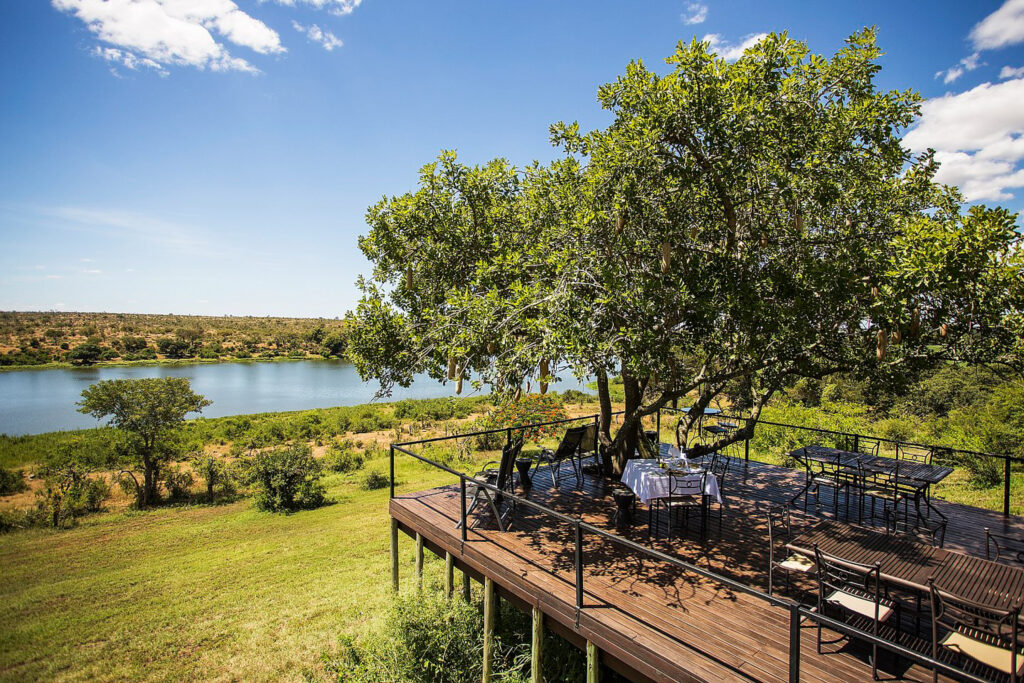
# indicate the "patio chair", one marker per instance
pixel 977 632
pixel 919 455
pixel 855 590
pixel 1000 547
pixel 780 531
pixel 826 474
pixel 720 468
pixel 925 530
pixel 685 493
pixel 499 474
pixel 567 449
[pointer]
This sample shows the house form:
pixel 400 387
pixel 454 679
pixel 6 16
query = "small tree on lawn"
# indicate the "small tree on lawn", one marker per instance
pixel 738 226
pixel 148 412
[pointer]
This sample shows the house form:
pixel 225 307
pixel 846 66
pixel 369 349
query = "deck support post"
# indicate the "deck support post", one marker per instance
pixel 488 628
pixel 394 554
pixel 794 644
pixel 593 670
pixel 466 586
pixel 537 647
pixel 419 560
pixel 449 575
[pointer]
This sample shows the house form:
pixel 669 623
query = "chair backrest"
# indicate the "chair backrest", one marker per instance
pixel 996 627
pixel 932 532
pixel 686 484
pixel 570 442
pixel 780 528
pixel 1000 547
pixel 589 441
pixel 918 454
pixel 720 467
pixel 835 573
pixel 509 453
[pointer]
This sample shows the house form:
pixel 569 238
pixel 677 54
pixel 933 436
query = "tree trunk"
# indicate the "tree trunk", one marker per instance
pixel 624 446
pixel 604 428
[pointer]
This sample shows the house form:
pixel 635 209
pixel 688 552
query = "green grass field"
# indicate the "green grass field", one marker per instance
pixel 204 592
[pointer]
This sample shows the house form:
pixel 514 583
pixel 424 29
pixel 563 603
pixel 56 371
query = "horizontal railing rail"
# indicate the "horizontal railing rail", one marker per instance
pixel 581 527
pixel 1006 459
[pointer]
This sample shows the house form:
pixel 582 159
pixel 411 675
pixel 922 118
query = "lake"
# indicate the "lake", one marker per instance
pixel 35 401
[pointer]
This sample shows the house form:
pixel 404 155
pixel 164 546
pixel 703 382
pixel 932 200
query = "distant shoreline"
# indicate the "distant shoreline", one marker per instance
pixel 160 362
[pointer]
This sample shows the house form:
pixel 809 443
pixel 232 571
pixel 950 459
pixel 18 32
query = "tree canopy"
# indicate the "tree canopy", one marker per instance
pixel 147 411
pixel 737 226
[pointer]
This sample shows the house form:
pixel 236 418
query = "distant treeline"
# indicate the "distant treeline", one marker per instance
pixel 28 338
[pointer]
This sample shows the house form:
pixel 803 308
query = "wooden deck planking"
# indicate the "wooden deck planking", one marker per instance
pixel 652 618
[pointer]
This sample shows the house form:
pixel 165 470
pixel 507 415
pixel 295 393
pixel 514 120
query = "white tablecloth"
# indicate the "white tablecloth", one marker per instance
pixel 648 481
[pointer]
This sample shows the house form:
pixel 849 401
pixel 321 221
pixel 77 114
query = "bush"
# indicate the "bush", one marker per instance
pixel 375 480
pixel 342 458
pixel 529 409
pixel 216 474
pixel 287 479
pixel 11 481
pixel 178 483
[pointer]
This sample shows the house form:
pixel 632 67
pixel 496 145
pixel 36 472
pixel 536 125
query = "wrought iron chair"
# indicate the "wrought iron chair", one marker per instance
pixel 500 475
pixel 1000 547
pixel 977 632
pixel 829 475
pixel 780 531
pixel 720 468
pixel 919 455
pixel 567 449
pixel 685 492
pixel 856 590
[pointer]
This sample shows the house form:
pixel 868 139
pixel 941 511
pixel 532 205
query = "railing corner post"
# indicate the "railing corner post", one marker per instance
pixel 462 505
pixel 1006 485
pixel 794 643
pixel 392 479
pixel 578 561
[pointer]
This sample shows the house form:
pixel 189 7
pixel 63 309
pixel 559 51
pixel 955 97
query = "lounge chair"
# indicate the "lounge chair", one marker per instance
pixel 568 449
pixel 500 475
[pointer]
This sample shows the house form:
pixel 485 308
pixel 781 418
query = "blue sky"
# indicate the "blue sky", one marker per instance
pixel 218 156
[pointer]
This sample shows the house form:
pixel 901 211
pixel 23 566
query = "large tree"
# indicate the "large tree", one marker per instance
pixel 147 411
pixel 737 226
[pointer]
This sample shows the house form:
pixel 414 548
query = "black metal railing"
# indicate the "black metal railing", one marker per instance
pixel 854 438
pixel 580 528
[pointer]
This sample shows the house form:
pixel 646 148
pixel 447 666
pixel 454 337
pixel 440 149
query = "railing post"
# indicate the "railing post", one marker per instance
pixel 1006 486
pixel 746 449
pixel 657 424
pixel 856 443
pixel 392 481
pixel 794 643
pixel 579 569
pixel 462 504
pixel 508 437
pixel 597 427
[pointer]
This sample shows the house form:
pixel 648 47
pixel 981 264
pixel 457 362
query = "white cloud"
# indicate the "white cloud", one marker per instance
pixel 968 63
pixel 1003 27
pixel 1011 72
pixel 695 13
pixel 86 260
pixel 159 33
pixel 337 7
pixel 325 38
pixel 92 271
pixel 731 53
pixel 978 136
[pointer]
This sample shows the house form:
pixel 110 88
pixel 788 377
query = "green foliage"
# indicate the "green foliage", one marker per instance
pixel 11 481
pixel 177 483
pixel 343 458
pixel 68 492
pixel 148 412
pixel 755 220
pixel 375 480
pixel 217 475
pixel 286 479
pixel 85 354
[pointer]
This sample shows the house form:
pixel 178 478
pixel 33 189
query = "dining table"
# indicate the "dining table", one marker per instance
pixel 910 564
pixel 919 476
pixel 649 480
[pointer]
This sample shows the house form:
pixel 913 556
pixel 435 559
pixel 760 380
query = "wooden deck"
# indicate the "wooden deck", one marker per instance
pixel 651 620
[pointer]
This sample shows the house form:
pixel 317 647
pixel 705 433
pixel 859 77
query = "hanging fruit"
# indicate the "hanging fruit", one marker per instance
pixel 491 348
pixel 943 329
pixel 764 240
pixel 874 291
pixel 693 233
pixel 915 322
pixel 458 386
pixel 896 337
pixel 451 367
pixel 883 342
pixel 666 256
pixel 620 224
pixel 408 278
pixel 543 376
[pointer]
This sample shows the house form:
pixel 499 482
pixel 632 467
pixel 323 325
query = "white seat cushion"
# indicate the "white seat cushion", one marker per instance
pixel 859 605
pixel 797 563
pixel 989 655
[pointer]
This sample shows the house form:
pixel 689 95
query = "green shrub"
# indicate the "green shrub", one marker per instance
pixel 375 480
pixel 342 458
pixel 286 479
pixel 178 483
pixel 529 409
pixel 11 481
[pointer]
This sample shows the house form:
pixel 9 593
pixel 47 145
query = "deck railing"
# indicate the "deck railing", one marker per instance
pixel 580 528
pixel 854 438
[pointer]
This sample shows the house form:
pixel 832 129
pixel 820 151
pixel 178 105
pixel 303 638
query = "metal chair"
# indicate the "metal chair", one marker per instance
pixel 567 449
pixel 500 475
pixel 856 590
pixel 978 632
pixel 1000 547
pixel 720 468
pixel 830 475
pixel 780 531
pixel 685 492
